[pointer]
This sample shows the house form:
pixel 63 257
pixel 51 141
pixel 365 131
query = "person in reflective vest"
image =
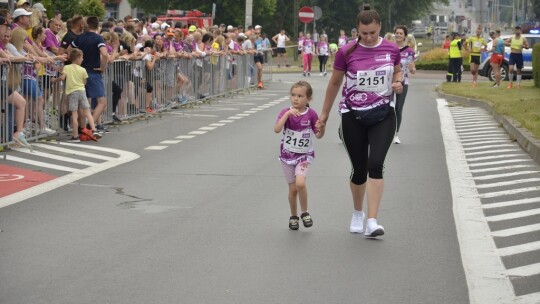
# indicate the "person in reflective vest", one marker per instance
pixel 456 59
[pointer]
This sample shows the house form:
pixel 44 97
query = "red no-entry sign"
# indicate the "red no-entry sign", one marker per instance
pixel 306 14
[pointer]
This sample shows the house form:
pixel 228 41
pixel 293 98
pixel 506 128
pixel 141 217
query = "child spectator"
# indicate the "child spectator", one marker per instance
pixel 149 59
pixel 75 77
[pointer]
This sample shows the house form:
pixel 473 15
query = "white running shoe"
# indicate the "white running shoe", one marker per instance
pixel 396 140
pixel 357 222
pixel 48 131
pixel 374 231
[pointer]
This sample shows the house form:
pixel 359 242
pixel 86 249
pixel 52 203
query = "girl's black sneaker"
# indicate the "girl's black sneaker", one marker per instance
pixel 306 219
pixel 293 222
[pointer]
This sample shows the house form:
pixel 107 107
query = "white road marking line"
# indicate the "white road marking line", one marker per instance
pixel 509 192
pixel 512 203
pixel 275 102
pixel 516 231
pixel 509 156
pixel 217 124
pixel 508 183
pixel 475 120
pixel 256 109
pixel 236 117
pixel 185 136
pixel 500 162
pixel 499 168
pixel 484 270
pixel 524 271
pixel 250 112
pixel 265 106
pixel 242 114
pixel 207 128
pixel 464 126
pixel 192 115
pixel 226 121
pixel 469 117
pixel 40 164
pixel 494 176
pixel 476 137
pixel 527 299
pixel 486 142
pixel 56 157
pixel 123 157
pixel 73 152
pixel 466 134
pixel 513 215
pixel 497 151
pixel 170 142
pixel 197 132
pixel 506 251
pixel 491 147
pixel 156 148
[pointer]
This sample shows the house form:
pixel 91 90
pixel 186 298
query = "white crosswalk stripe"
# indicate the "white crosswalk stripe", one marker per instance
pixel 502 181
pixel 71 162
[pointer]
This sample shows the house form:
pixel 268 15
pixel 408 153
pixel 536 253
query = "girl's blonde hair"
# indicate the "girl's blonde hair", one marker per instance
pixel 303 84
pixel 128 38
pixel 18 36
pixel 106 36
pixel 114 37
pixel 34 18
pixel 220 40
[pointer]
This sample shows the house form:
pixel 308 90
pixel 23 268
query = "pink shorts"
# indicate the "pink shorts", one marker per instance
pixel 291 171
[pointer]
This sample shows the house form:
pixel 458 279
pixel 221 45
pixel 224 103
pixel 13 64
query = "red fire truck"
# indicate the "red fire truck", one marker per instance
pixel 194 17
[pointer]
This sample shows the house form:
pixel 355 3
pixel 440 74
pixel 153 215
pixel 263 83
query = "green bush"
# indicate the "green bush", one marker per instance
pixel 437 65
pixel 536 64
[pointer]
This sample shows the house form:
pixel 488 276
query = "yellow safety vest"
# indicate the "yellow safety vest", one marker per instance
pixel 454 50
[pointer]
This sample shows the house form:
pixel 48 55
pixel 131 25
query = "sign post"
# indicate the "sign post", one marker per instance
pixel 306 15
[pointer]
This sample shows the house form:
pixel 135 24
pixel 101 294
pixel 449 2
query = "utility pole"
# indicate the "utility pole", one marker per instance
pixel 295 16
pixel 249 13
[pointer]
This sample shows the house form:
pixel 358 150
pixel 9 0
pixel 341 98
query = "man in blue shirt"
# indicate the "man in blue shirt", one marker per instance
pixel 95 62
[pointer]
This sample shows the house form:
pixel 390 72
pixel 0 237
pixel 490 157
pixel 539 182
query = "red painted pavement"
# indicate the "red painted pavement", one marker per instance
pixel 13 179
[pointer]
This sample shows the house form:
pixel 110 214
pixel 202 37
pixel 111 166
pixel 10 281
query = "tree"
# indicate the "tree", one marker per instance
pixel 536 8
pixel 68 8
pixel 275 15
pixel 92 8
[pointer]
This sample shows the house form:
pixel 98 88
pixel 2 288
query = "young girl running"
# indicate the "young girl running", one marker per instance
pixel 297 124
pixel 307 54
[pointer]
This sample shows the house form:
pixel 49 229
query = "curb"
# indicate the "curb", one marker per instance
pixel 523 137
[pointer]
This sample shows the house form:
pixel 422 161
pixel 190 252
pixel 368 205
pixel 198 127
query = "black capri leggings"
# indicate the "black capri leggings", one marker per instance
pixel 367 146
pixel 322 63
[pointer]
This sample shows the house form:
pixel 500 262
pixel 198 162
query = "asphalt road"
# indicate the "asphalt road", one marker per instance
pixel 202 217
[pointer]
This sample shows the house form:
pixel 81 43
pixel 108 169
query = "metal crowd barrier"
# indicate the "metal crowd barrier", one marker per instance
pixel 130 90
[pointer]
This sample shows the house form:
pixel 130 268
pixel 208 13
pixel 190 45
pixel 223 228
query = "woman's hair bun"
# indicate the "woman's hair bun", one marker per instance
pixel 366 7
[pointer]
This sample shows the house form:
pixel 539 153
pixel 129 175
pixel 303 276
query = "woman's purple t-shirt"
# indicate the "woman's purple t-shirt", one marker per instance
pixel 304 123
pixel 407 57
pixel 368 74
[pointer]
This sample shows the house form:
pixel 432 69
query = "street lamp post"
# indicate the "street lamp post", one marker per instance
pixel 249 13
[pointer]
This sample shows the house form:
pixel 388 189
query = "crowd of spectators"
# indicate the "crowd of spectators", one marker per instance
pixel 42 46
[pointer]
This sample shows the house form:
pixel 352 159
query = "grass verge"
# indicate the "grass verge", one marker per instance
pixel 522 105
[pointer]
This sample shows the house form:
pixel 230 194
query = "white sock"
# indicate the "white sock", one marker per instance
pixel 518 79
pixel 358 212
pixel 371 223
